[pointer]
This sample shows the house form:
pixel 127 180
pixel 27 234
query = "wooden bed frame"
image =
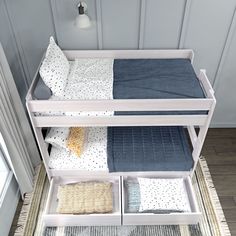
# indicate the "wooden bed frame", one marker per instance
pixel 191 122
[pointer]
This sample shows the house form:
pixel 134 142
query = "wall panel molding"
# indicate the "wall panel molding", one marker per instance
pixel 53 12
pixel 20 52
pixel 8 41
pixel 120 24
pixel 225 82
pixel 163 23
pixel 32 25
pixel 228 41
pixel 142 23
pixel 99 24
pixel 184 27
pixel 206 32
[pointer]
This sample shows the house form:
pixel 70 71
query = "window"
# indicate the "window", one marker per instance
pixel 4 168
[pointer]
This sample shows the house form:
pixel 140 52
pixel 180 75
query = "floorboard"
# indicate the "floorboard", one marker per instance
pixel 220 152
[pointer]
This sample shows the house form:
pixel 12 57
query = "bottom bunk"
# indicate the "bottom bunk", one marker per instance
pixel 120 176
pixel 122 149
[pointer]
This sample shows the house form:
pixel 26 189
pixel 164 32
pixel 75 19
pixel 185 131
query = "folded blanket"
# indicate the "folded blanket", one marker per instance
pixel 133 196
pixel 85 198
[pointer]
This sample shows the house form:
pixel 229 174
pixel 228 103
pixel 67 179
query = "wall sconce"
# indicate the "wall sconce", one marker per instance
pixel 82 21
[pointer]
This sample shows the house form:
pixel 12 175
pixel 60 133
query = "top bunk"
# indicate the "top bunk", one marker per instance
pixel 122 88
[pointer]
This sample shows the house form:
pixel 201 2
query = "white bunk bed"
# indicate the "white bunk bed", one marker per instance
pixel 191 121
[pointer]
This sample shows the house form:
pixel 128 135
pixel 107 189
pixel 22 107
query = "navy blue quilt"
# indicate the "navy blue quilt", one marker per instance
pixel 153 79
pixel 148 149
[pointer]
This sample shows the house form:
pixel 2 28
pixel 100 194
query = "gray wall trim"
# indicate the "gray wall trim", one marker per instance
pixel 142 23
pixel 99 23
pixel 54 18
pixel 184 27
pixel 20 51
pixel 225 50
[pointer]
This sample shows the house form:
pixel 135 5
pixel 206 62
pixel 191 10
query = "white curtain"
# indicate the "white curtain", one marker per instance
pixel 15 129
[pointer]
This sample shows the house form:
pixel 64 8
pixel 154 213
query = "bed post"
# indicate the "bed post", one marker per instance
pixel 197 148
pixel 41 144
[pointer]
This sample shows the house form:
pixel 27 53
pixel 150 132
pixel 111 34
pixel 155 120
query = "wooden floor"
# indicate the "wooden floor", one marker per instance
pixel 220 152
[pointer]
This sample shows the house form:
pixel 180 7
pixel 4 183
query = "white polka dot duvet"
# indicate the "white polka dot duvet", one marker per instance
pixel 93 158
pixel 89 78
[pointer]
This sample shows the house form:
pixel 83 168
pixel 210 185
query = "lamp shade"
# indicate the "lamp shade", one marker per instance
pixel 82 21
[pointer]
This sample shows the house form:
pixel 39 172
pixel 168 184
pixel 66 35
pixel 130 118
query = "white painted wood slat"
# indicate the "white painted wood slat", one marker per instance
pixel 162 120
pixel 121 105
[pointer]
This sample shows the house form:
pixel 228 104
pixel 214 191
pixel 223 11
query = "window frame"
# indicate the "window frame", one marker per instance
pixel 9 173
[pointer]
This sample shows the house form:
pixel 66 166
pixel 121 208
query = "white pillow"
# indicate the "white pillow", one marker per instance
pixel 55 69
pixel 57 137
pixel 164 195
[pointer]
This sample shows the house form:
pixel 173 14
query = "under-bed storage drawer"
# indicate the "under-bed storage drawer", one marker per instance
pixel 52 218
pixel 140 218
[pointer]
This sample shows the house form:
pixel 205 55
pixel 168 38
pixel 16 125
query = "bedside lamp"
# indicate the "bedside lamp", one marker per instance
pixel 82 21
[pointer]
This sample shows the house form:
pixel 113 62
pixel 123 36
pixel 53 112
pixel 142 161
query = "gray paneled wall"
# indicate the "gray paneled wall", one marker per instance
pixel 9 44
pixel 163 23
pixel 32 25
pixel 68 36
pixel 119 24
pixel 225 83
pixel 25 27
pixel 206 26
pixel 206 32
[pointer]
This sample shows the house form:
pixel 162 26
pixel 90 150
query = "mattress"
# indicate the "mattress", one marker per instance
pixel 122 149
pixel 132 79
pixel 93 158
pixel 148 149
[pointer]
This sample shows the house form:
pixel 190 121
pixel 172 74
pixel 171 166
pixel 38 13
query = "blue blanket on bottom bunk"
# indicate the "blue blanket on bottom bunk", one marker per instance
pixel 148 149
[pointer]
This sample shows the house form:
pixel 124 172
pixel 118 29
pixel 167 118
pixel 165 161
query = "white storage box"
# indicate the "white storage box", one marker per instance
pixel 52 218
pixel 192 217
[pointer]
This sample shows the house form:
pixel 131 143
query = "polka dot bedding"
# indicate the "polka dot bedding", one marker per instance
pixel 58 137
pixel 88 78
pixel 55 69
pixel 165 195
pixel 94 156
pixel 51 113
